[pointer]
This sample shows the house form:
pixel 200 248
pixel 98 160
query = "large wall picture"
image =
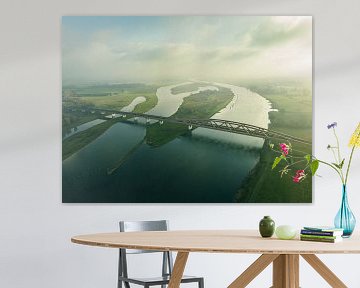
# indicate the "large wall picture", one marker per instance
pixel 185 109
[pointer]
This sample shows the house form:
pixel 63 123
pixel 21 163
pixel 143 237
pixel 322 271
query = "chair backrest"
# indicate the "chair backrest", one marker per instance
pixel 137 226
pixel 133 226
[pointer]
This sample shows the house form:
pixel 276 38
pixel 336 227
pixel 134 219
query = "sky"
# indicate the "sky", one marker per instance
pixel 148 49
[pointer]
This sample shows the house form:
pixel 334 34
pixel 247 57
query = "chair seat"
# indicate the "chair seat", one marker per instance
pixel 158 280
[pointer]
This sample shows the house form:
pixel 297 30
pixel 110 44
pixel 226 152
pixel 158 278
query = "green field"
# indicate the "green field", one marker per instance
pixel 294 102
pixel 105 89
pixel 111 96
pixel 204 104
pixel 119 101
pixel 263 185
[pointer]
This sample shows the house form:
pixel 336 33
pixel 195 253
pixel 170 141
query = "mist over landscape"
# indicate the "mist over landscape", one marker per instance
pixel 213 48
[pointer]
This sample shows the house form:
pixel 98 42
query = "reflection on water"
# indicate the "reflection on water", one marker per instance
pixel 205 166
pixel 184 170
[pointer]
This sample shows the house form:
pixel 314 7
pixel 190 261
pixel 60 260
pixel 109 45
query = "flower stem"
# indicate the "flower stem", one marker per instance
pixel 333 152
pixel 348 167
pixel 338 145
pixel 296 162
pixel 336 169
pixel 299 151
pixel 339 155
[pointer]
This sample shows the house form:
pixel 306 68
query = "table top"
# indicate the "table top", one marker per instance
pixel 216 241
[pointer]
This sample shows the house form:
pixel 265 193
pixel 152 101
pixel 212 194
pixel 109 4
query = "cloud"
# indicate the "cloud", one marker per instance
pixel 227 49
pixel 277 30
pixel 169 51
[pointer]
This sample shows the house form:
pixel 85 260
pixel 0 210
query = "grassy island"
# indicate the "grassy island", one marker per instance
pixel 201 105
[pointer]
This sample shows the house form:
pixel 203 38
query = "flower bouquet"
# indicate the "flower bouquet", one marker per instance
pixel 290 158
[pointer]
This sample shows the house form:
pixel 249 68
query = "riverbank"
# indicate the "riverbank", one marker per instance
pixel 76 142
pixel 263 185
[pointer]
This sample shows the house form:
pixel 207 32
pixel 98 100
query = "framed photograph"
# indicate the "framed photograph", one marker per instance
pixel 184 109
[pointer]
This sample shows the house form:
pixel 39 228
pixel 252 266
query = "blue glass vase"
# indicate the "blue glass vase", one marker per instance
pixel 345 219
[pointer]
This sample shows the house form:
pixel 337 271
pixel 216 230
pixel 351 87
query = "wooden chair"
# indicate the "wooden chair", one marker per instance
pixel 167 263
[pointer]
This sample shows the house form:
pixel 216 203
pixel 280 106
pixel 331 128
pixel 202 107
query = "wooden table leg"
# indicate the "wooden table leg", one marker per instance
pixel 293 262
pixel 324 271
pixel 178 269
pixel 286 271
pixel 253 270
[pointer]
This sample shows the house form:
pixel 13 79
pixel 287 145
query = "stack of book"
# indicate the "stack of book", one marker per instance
pixel 321 234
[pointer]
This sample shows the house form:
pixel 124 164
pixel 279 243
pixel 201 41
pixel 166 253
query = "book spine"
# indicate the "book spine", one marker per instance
pixel 317 239
pixel 319 233
pixel 319 236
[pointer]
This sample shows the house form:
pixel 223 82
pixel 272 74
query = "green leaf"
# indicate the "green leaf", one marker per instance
pixel 276 162
pixel 339 166
pixel 308 158
pixel 314 167
pixel 342 163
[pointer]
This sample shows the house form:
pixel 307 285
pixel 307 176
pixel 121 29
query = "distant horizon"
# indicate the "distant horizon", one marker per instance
pixel 160 49
pixel 177 81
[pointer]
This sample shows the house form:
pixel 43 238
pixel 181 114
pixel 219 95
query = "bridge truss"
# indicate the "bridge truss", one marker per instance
pixel 216 124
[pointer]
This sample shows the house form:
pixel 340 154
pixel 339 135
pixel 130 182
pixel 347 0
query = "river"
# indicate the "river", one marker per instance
pixel 205 166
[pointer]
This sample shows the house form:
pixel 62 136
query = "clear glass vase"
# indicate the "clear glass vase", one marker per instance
pixel 345 219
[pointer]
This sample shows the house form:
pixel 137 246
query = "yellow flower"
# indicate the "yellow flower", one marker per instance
pixel 355 138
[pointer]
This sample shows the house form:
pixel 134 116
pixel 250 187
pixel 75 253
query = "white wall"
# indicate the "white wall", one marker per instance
pixel 35 228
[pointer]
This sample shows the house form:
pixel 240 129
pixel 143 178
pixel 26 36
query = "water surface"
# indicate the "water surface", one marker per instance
pixel 204 166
